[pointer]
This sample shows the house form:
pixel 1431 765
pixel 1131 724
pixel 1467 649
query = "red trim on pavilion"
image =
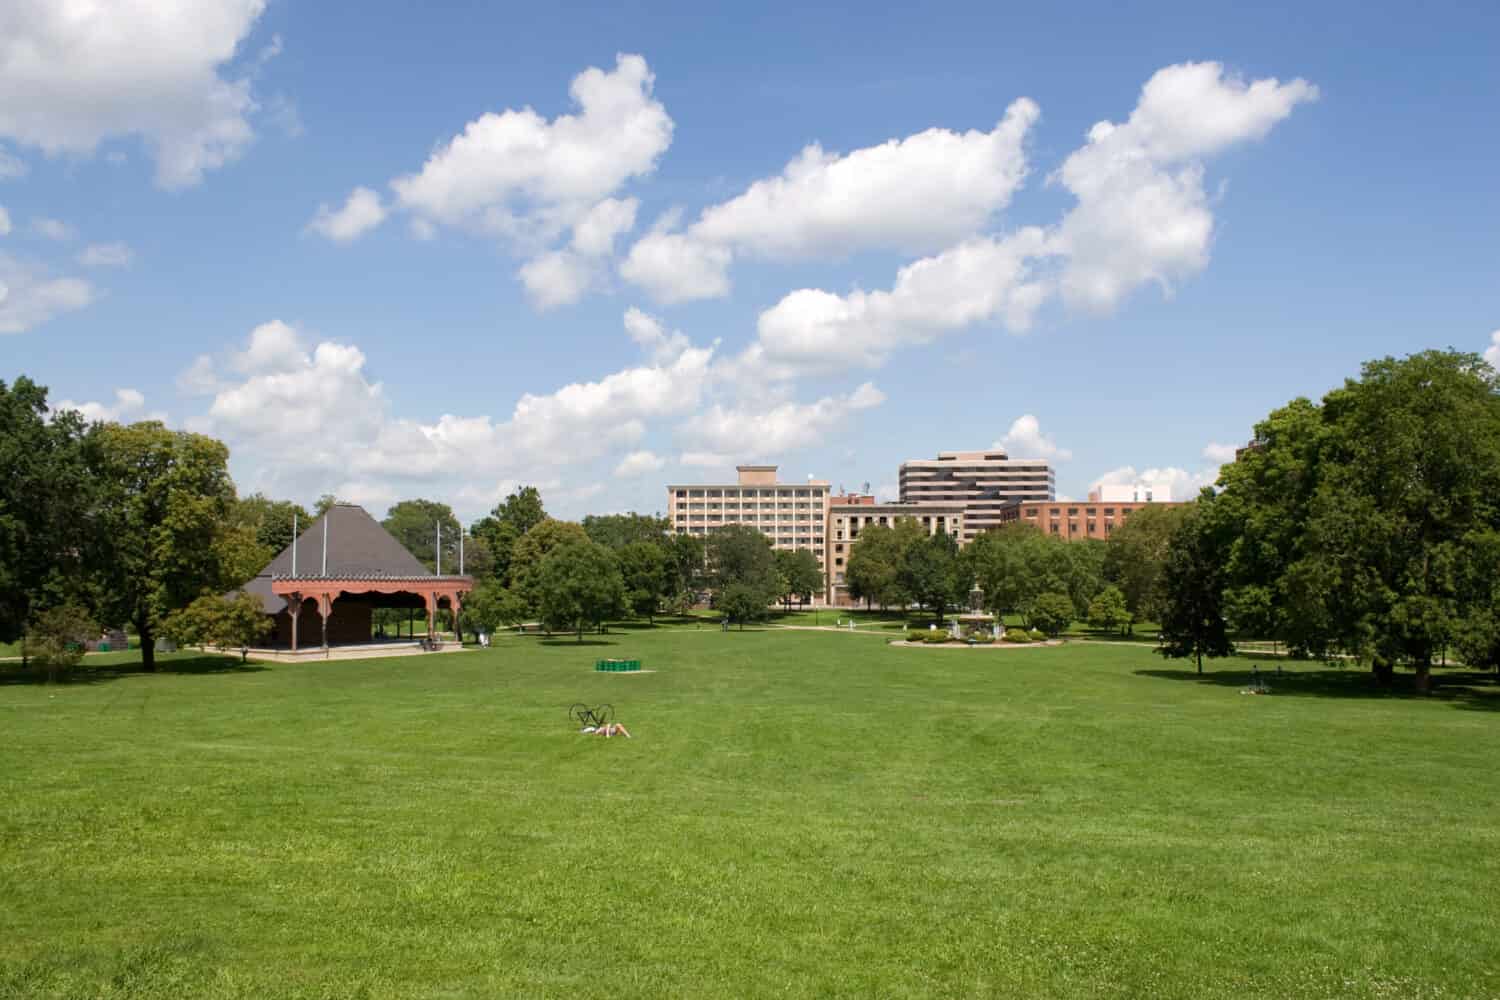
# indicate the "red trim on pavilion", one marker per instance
pixel 325 590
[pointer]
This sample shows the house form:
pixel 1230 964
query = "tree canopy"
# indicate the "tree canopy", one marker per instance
pixel 517 514
pixel 578 586
pixel 1352 526
pixel 797 575
pixel 414 523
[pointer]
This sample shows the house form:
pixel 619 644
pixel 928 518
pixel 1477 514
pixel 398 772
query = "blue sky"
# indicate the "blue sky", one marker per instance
pixel 666 281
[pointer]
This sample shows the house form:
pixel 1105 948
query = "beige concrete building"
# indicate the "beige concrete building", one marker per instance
pixel 983 482
pixel 792 515
pixel 849 513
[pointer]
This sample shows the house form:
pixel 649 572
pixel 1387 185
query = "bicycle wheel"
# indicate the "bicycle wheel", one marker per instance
pixel 579 713
pixel 605 714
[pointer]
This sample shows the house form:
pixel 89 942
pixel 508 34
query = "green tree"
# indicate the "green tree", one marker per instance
pixel 235 622
pixel 1109 611
pixel 1053 612
pixel 162 498
pixel 272 520
pixel 414 523
pixel 55 639
pixel 1192 620
pixel 579 585
pixel 505 525
pixel 741 603
pixel 491 607
pixel 1347 526
pixel 1135 554
pixel 529 552
pixel 647 575
pixel 933 574
pixel 740 554
pixel 872 569
pixel 686 555
pixel 615 531
pixel 797 575
pixel 46 493
pixel 325 502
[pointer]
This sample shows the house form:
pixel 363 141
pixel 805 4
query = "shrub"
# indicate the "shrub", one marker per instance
pixel 937 635
pixel 982 638
pixel 1036 635
pixel 1017 636
pixel 916 635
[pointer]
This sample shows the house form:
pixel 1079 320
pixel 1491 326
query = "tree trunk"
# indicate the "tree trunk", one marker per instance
pixel 1199 654
pixel 148 646
pixel 1424 678
pixel 1382 670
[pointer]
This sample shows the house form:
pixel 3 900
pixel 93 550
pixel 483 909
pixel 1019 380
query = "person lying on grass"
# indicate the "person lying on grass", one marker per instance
pixel 607 730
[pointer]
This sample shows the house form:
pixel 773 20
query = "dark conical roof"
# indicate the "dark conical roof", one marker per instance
pixel 357 547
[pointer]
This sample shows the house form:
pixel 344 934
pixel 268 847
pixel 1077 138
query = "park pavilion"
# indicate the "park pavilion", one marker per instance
pixel 323 589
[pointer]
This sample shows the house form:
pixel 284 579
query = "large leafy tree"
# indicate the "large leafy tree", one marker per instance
pixel 934 575
pixel 797 575
pixel 414 523
pixel 1134 557
pixel 741 603
pixel 162 497
pixel 615 531
pixel 511 519
pixel 531 549
pixel 46 496
pixel 741 558
pixel 686 556
pixel 1016 564
pixel 873 570
pixel 272 520
pixel 1351 526
pixel 491 607
pixel 1192 620
pixel 1109 610
pixel 579 586
pixel 647 574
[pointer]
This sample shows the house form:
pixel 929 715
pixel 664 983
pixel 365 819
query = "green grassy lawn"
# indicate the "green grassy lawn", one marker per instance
pixel 800 813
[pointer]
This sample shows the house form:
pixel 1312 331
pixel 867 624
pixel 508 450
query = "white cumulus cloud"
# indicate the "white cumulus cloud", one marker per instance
pixel 1026 440
pixel 915 194
pixel 129 406
pixel 4 222
pixel 75 73
pixel 1492 353
pixel 362 212
pixel 751 431
pixel 639 463
pixel 30 295
pixel 53 229
pixel 1219 453
pixel 1141 216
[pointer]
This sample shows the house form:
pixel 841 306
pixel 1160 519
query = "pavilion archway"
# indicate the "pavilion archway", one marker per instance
pixel 318 596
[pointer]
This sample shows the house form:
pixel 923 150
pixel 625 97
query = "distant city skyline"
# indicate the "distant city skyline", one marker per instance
pixel 387 253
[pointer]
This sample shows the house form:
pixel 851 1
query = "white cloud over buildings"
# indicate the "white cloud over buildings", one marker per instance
pixel 129 406
pixel 1026 440
pixel 75 75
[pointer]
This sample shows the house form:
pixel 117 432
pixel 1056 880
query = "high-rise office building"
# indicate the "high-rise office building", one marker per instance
pixel 985 482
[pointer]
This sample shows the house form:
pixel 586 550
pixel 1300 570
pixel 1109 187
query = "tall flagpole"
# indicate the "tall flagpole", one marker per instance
pixel 294 543
pixel 460 550
pixel 327 516
pixel 439 549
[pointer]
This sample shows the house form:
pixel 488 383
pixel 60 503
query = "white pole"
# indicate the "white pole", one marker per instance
pixel 439 549
pixel 294 543
pixel 460 550
pixel 327 516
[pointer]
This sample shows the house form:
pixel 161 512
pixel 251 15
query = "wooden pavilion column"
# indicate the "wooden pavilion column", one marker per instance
pixel 293 608
pixel 325 608
pixel 455 603
pixel 430 599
